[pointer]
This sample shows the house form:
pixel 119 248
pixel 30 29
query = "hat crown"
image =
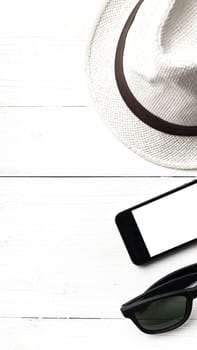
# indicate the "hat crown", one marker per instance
pixel 160 59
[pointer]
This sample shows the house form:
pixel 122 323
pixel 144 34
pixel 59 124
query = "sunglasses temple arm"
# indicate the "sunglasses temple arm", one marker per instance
pixel 176 274
pixel 176 284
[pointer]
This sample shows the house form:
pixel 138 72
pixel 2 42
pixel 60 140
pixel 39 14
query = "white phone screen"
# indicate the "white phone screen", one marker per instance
pixel 168 222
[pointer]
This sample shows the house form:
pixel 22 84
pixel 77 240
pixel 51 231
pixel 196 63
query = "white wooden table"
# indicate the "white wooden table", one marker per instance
pixel 64 271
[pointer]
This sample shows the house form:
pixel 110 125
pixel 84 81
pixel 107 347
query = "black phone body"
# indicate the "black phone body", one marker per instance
pixel 133 232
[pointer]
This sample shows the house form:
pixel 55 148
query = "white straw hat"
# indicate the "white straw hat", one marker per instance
pixel 142 72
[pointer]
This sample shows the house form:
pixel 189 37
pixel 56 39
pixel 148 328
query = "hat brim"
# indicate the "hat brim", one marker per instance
pixel 178 152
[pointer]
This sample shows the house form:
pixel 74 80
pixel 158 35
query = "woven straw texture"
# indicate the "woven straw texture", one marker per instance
pixel 150 87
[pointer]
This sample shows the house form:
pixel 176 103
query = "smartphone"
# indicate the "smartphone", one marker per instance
pixel 160 225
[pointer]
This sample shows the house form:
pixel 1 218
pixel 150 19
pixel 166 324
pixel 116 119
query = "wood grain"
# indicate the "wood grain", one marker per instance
pixel 47 123
pixel 61 254
pixel 87 334
pixel 64 270
pixel 42 52
pixel 66 142
pixel 42 71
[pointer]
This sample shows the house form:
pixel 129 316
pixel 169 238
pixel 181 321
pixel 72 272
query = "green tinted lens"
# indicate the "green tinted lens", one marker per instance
pixel 162 314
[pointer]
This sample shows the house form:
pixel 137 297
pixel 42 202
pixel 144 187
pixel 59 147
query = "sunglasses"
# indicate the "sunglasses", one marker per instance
pixel 167 304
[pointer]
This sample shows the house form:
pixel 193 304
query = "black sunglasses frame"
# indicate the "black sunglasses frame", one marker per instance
pixel 174 284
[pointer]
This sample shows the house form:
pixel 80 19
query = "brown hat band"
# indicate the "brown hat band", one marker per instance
pixel 142 113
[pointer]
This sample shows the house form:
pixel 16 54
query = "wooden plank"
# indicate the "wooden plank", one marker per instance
pixel 43 18
pixel 42 52
pixel 69 142
pixel 42 72
pixel 60 252
pixel 88 334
